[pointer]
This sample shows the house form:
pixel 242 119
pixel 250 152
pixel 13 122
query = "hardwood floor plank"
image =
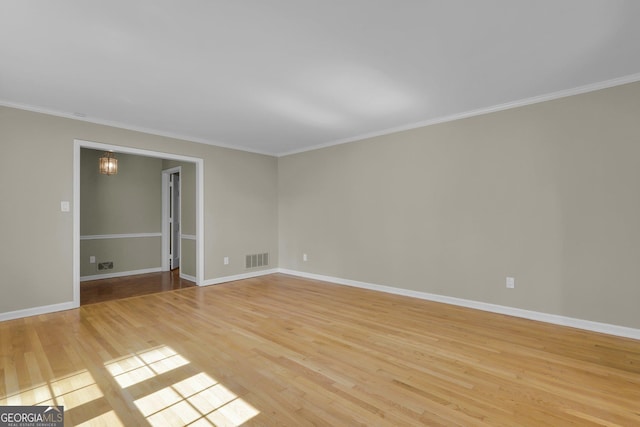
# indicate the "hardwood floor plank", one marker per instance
pixel 100 290
pixel 280 350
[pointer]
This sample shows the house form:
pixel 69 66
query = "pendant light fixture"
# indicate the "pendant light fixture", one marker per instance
pixel 108 164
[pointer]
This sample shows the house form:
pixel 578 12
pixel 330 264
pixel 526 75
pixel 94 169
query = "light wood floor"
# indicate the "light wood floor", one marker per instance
pixel 280 350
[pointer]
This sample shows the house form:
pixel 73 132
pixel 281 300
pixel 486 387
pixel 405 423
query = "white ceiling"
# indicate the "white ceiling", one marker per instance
pixel 282 76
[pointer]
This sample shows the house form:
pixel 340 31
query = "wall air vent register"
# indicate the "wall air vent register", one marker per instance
pixel 256 260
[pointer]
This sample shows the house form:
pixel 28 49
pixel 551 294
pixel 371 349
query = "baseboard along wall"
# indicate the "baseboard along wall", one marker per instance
pixel 120 274
pixel 588 325
pixel 605 328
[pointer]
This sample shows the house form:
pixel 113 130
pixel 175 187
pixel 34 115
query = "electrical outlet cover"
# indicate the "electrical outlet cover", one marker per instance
pixel 511 282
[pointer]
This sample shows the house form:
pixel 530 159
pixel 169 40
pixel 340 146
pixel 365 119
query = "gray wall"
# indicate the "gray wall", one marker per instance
pixel 548 193
pixel 126 203
pixel 240 203
pixel 127 255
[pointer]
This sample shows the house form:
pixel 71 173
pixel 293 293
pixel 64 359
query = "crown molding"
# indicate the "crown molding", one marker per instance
pixel 632 78
pixel 478 112
pixel 126 126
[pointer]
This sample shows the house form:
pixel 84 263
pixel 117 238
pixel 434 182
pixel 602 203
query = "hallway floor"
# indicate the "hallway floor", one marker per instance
pixel 129 286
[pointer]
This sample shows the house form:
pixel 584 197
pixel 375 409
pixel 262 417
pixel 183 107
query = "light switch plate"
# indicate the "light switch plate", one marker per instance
pixel 65 206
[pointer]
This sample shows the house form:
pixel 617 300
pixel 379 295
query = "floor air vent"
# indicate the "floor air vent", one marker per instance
pixel 256 260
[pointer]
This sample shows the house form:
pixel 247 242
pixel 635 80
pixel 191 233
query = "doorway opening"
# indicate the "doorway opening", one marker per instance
pixel 171 218
pixel 195 242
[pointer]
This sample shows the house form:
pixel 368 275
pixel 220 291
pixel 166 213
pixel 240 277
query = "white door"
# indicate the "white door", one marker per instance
pixel 174 221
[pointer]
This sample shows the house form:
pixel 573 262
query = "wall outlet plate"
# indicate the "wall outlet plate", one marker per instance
pixel 511 282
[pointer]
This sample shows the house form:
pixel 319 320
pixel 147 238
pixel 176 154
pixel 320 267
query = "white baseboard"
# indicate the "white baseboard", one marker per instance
pixel 120 274
pixel 588 325
pixel 35 311
pixel 225 279
pixel 187 277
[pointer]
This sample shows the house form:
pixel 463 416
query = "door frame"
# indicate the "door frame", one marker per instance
pixel 77 145
pixel 166 250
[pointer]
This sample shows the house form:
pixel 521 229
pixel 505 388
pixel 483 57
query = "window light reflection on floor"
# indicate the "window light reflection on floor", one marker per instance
pixel 70 391
pixel 140 367
pixel 197 400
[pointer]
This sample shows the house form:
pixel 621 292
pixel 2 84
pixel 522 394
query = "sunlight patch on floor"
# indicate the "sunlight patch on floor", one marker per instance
pixel 70 391
pixel 140 367
pixel 192 399
pixel 197 400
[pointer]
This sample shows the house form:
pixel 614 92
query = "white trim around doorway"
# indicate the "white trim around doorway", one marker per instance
pixel 166 214
pixel 77 145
